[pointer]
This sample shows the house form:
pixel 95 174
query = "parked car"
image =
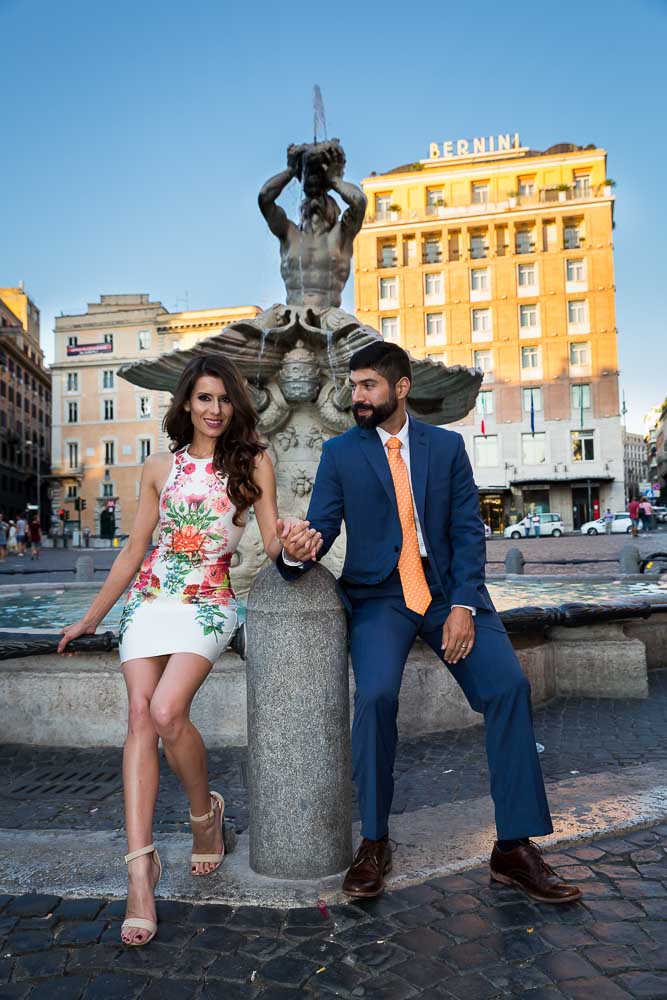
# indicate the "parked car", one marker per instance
pixel 660 514
pixel 550 524
pixel 622 523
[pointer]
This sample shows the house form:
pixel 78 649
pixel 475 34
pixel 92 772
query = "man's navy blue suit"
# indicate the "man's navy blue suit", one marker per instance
pixel 354 485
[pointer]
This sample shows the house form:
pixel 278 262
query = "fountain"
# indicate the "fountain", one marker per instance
pixel 295 356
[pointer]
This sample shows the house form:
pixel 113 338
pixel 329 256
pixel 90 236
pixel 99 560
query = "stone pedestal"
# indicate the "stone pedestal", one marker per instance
pixel 84 569
pixel 629 559
pixel 599 661
pixel 514 561
pixel 298 727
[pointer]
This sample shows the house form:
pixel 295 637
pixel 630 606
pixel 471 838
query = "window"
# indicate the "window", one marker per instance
pixel 109 453
pixel 530 358
pixel 481 324
pixel 108 338
pixel 577 315
pixel 144 406
pixel 525 242
pixel 382 203
pixel 533 448
pixel 579 354
pixel 389 328
pixel 536 393
pixel 478 247
pixel 72 454
pixel 388 291
pixel 479 283
pixel 441 358
pixel 108 409
pixel 144 449
pixel 484 361
pixel 581 397
pixel 582 186
pixel 388 256
pixel 575 271
pixel 144 340
pixel 527 187
pixel 72 381
pixel 72 492
pixel 529 323
pixel 435 329
pixel 72 413
pixel 107 378
pixel 486 451
pixel 479 194
pixel 72 341
pixel 571 237
pixel 583 446
pixel 484 402
pixel 435 199
pixel 432 251
pixel 433 288
pixel 107 489
pixel 526 276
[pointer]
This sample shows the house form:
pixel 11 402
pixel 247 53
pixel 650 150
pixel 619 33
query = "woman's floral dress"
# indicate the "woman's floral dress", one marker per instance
pixel 182 599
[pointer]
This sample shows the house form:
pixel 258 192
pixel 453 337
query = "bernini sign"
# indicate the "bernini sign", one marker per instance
pixel 475 147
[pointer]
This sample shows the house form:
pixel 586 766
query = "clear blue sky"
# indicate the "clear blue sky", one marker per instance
pixel 136 134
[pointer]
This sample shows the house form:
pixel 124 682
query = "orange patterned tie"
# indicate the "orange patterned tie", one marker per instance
pixel 415 588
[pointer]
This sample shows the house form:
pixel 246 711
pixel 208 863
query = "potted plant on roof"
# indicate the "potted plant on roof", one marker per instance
pixel 394 211
pixel 562 191
pixel 512 197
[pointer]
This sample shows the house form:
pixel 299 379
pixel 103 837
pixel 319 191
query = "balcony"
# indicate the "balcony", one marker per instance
pixel 382 218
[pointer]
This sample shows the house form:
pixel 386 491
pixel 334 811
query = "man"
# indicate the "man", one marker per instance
pixel 537 524
pixel 21 528
pixel 414 565
pixel 633 511
pixel 608 520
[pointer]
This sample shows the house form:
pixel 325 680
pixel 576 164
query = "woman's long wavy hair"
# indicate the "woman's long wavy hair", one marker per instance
pixel 236 449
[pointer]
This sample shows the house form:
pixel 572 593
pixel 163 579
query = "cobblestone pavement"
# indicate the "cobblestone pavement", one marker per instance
pixel 57 565
pixel 64 788
pixel 459 937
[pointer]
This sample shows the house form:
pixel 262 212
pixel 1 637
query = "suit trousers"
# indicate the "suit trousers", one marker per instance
pixel 382 631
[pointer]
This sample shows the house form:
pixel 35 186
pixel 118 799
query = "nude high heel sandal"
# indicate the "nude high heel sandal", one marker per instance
pixel 139 922
pixel 215 797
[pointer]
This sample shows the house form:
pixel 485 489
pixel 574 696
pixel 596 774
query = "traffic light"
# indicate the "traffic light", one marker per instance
pixel 77 503
pixel 83 504
pixel 61 513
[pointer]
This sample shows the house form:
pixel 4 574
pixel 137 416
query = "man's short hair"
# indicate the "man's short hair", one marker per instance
pixel 388 360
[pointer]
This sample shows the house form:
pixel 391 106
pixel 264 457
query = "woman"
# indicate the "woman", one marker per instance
pixel 180 612
pixel 12 545
pixel 35 536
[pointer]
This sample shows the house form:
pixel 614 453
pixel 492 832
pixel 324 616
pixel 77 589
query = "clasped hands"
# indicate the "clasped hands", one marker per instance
pixel 300 542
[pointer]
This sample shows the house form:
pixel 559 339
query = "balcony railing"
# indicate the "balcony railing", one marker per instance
pixel 388 261
pixel 432 257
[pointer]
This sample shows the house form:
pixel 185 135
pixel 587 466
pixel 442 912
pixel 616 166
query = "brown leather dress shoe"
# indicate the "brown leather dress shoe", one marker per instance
pixel 366 875
pixel 525 868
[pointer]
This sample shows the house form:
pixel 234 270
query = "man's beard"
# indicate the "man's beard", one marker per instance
pixel 378 414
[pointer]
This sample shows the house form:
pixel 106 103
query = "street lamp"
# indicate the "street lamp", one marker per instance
pixel 38 474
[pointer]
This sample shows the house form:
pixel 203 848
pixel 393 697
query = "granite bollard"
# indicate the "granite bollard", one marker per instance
pixel 629 559
pixel 299 758
pixel 514 561
pixel 84 569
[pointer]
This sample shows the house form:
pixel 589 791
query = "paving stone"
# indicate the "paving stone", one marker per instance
pixel 466 925
pixel 471 986
pixel 388 987
pixel 15 991
pixel 46 923
pixel 379 906
pixel 172 989
pixel 472 954
pixel 545 993
pixel 339 978
pixel 177 935
pixel 643 837
pixel 114 986
pixel 219 939
pixel 647 855
pixel 575 873
pixel 7 924
pixel 423 973
pixel 565 965
pixel 421 916
pixel 60 988
pixel 587 853
pixel 617 871
pixel 259 918
pixel 656 908
pixel 616 846
pixel 515 979
pixel 192 964
pixel 271 993
pixel 657 871
pixel 644 984
pixel 78 909
pixel 19 942
pixel 657 930
pixel 519 947
pixel 621 932
pixel 155 958
pixel 374 930
pixel 453 883
pixel 97 957
pixel 235 968
pixel 171 911
pixel 422 940
pixel 288 971
pixel 5 900
pixel 611 957
pixel 601 989
pixel 621 909
pixel 32 905
pixel 561 936
pixel 264 948
pixel 519 915
pixel 41 964
pixel 114 910
pixel 202 915
pixel 323 952
pixel 376 957
pixel 417 895
pixel 6 966
pixel 78 932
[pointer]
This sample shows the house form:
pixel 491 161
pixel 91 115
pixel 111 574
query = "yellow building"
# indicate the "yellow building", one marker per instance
pixel 492 255
pixel 103 427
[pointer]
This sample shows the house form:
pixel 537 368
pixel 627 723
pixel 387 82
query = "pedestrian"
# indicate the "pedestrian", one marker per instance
pixel 35 536
pixel 537 525
pixel 12 544
pixel 633 511
pixel 526 523
pixel 86 537
pixel 21 529
pixel 608 520
pixel 4 529
pixel 181 610
pixel 646 512
pixel 414 566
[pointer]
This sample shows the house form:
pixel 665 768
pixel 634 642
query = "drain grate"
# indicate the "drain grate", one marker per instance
pixel 57 782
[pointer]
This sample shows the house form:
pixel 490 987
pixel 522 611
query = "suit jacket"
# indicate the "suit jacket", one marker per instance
pixel 354 485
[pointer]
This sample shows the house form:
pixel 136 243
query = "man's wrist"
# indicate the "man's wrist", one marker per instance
pixel 473 611
pixel 295 563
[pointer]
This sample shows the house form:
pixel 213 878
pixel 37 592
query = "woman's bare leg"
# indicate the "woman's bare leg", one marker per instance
pixel 141 777
pixel 184 747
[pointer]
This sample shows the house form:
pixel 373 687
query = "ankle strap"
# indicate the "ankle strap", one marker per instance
pixel 139 853
pixel 215 798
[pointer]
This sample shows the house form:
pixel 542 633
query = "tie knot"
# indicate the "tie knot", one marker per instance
pixel 393 444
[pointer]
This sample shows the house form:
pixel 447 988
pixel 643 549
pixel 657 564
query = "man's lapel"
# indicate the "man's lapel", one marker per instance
pixel 419 467
pixel 369 441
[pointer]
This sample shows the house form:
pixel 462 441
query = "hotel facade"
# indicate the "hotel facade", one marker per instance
pixel 104 427
pixel 492 255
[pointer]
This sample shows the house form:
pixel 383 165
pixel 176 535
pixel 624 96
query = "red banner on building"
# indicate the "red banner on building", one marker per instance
pixel 103 348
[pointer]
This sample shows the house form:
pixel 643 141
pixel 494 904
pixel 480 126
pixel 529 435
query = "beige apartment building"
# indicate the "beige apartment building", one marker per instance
pixel 489 254
pixel 104 428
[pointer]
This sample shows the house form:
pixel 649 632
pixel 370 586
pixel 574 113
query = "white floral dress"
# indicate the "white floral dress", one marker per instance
pixel 182 599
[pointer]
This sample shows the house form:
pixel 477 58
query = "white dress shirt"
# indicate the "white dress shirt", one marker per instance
pixel 404 437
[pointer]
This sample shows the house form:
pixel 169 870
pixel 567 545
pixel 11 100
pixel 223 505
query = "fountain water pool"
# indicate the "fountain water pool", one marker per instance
pixel 49 608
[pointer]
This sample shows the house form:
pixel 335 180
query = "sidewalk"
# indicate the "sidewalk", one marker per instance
pixel 455 937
